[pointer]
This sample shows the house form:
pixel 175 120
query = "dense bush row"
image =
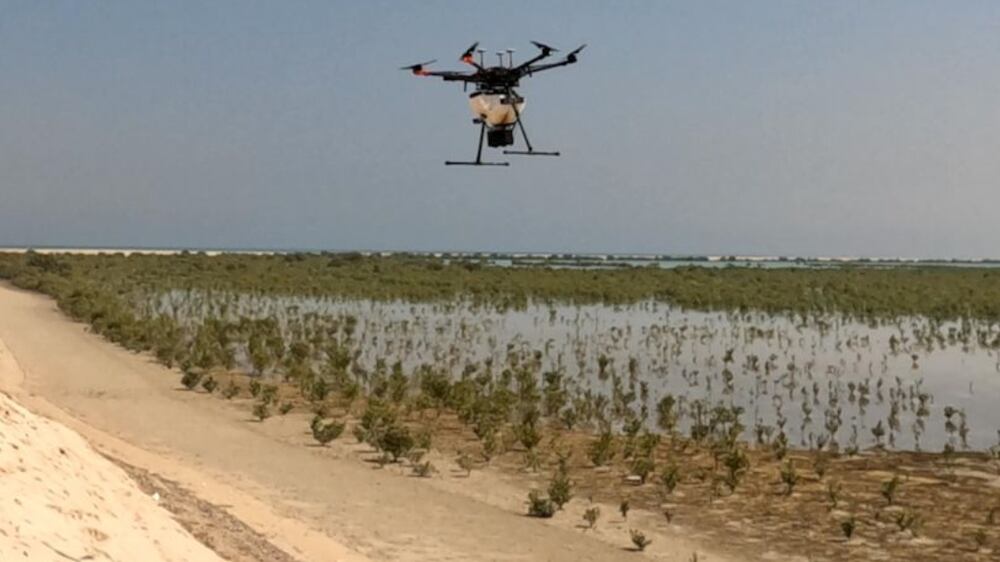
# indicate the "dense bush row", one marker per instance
pixel 941 293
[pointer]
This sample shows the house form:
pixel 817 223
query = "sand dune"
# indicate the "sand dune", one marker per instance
pixel 61 500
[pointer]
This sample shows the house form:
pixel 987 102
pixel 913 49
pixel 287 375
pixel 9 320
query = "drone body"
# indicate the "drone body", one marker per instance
pixel 496 106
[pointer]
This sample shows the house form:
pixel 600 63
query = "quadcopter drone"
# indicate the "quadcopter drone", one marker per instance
pixel 495 104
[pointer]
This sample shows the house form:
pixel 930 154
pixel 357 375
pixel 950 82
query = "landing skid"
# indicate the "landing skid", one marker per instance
pixel 530 153
pixel 476 163
pixel 479 153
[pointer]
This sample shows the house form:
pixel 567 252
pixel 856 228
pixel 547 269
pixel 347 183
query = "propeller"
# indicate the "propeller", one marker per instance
pixel 546 50
pixel 467 55
pixel 571 57
pixel 417 68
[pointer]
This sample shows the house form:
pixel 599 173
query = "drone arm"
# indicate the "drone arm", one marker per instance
pixel 541 67
pixel 524 66
pixel 571 58
pixel 448 75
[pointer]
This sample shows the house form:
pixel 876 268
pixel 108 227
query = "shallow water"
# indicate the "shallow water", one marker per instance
pixel 800 370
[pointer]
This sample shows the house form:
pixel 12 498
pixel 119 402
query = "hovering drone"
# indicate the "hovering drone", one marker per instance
pixel 495 105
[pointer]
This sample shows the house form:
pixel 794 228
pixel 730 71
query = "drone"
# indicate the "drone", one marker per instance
pixel 496 105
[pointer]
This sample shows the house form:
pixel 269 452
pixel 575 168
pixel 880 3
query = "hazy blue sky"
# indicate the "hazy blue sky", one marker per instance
pixel 763 127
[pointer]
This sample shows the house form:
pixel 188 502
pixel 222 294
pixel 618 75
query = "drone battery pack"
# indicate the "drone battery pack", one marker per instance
pixel 500 137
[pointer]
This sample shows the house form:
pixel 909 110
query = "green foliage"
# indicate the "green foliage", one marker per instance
pixel 639 539
pixel 231 390
pixel 736 463
pixel 319 390
pixel 423 469
pixel 667 414
pixel 261 411
pixel 833 490
pixel 624 508
pixel 324 431
pixel 255 388
pixel 190 379
pixel 789 476
pixel 890 488
pixel 396 440
pixel 980 537
pixel 285 407
pixel 209 384
pixel 539 506
pixel 561 487
pixel 643 466
pixel 848 526
pixel 591 515
pixel 602 451
pixel 908 520
pixel 671 477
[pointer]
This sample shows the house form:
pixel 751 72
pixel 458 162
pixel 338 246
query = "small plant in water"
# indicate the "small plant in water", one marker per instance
pixel 639 539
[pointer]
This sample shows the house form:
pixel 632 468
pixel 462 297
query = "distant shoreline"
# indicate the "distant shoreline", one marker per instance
pixel 533 258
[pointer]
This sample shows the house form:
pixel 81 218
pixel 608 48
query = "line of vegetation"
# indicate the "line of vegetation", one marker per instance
pixel 939 293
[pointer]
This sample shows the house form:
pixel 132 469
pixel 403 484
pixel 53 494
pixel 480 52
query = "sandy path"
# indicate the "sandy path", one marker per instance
pixel 312 503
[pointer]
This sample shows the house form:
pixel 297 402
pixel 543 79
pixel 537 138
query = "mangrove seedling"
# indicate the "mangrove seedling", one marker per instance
pixel 847 527
pixel 789 476
pixel 209 384
pixel 889 489
pixel 539 506
pixel 639 539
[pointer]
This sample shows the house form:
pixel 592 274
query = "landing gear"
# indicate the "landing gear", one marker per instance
pixel 479 152
pixel 520 123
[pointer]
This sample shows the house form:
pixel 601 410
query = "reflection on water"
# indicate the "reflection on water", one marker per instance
pixel 818 379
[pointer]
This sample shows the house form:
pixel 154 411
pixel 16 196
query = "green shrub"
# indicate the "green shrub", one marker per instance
pixel 261 411
pixel 324 431
pixel 639 539
pixel 561 488
pixel 209 384
pixel 848 526
pixel 190 379
pixel 671 477
pixel 890 488
pixel 231 390
pixel 602 451
pixel 539 506
pixel 789 476
pixel 397 441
